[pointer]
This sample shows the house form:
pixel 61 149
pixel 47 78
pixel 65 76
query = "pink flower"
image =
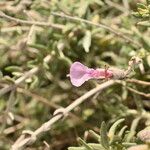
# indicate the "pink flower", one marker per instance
pixel 80 73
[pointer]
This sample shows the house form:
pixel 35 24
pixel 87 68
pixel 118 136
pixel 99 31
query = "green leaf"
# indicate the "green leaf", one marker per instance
pixel 68 27
pixel 148 2
pixel 39 46
pixel 133 129
pixel 141 5
pixel 87 41
pixel 84 144
pixel 17 74
pixel 76 148
pixel 113 128
pixel 35 82
pixel 104 137
pixel 31 36
pixel 96 146
pixel 13 68
pixel 95 135
pixel 83 8
pixel 144 23
pixel 99 2
pixel 128 144
pixel 8 79
pixel 121 132
pixel 136 14
pixel 1 74
pixel 148 60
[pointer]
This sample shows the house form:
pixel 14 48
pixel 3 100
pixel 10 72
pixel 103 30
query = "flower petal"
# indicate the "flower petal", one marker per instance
pixel 78 82
pixel 79 74
pixel 77 70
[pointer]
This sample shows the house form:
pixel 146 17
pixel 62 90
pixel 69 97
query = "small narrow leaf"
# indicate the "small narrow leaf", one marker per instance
pixel 34 83
pixel 96 146
pixel 31 36
pixel 76 148
pixel 121 132
pixel 84 144
pixel 87 41
pixel 99 2
pixel 104 137
pixel 141 5
pixel 8 79
pixel 1 74
pixel 148 60
pixel 128 144
pixel 133 129
pixel 13 68
pixel 113 128
pixel 39 46
pixel 17 74
pixel 95 135
pixel 148 2
pixel 144 23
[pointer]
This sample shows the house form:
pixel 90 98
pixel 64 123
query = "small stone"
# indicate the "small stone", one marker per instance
pixel 144 135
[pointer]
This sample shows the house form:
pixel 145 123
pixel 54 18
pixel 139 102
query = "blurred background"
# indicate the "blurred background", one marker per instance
pixel 24 45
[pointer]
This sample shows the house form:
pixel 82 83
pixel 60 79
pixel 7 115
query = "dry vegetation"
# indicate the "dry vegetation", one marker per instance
pixel 39 40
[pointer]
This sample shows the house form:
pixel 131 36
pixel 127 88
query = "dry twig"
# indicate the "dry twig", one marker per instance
pixel 138 82
pixel 138 92
pixel 23 141
pixel 38 23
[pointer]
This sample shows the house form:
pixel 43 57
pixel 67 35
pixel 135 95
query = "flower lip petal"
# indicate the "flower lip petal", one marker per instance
pixel 77 70
pixel 79 74
pixel 79 82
